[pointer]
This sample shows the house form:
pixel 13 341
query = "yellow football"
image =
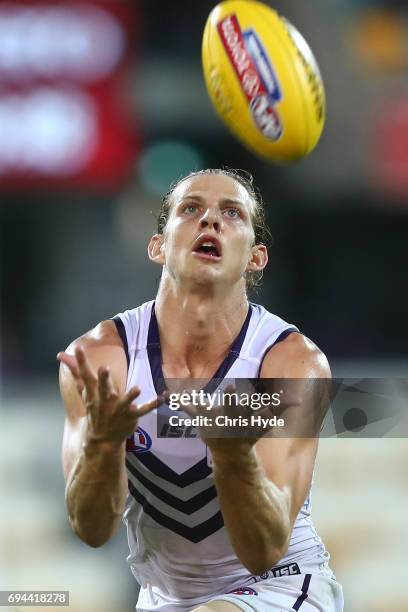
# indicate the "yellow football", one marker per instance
pixel 263 80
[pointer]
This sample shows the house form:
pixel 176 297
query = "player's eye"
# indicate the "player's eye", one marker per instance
pixel 190 209
pixel 233 213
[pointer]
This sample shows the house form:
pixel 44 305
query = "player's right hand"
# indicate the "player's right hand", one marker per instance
pixel 111 416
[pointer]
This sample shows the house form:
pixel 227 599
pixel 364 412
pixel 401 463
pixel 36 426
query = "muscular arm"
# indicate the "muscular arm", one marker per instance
pixel 262 487
pixel 96 484
pixel 255 510
pixel 100 416
pixel 96 492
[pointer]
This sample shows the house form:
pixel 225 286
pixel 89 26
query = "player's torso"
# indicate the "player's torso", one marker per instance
pixel 175 527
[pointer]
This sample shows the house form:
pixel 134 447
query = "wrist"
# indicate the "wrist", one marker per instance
pixel 239 458
pixel 96 445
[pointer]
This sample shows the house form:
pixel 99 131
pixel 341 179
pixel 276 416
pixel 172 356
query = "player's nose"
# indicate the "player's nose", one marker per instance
pixel 211 219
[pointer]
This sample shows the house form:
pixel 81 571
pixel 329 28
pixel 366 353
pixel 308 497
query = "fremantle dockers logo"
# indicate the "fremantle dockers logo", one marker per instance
pixel 255 73
pixel 139 442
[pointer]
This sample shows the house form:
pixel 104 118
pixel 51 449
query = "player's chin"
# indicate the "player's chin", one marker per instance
pixel 205 275
pixel 206 267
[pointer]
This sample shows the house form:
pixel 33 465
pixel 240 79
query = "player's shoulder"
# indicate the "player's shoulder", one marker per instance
pixel 103 347
pixel 101 337
pixel 110 339
pixel 296 356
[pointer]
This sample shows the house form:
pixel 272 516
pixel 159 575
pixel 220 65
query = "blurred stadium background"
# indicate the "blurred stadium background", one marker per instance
pixel 102 105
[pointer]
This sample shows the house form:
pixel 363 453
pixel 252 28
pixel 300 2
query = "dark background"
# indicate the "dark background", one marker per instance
pixel 338 263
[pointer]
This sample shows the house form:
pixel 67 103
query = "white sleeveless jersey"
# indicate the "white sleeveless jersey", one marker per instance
pixel 180 553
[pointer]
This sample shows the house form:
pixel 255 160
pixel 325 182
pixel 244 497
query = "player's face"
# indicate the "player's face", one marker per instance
pixel 209 235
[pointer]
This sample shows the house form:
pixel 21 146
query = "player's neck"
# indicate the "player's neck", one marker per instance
pixel 196 328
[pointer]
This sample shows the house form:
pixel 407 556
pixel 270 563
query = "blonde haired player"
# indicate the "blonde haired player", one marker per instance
pixel 218 526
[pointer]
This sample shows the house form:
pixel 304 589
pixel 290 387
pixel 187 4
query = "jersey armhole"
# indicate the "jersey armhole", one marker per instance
pixel 120 328
pixel 280 338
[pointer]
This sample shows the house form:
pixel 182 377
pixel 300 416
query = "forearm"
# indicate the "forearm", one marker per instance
pixel 96 492
pixel 255 510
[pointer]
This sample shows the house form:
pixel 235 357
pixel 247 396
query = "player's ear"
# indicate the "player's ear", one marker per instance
pixel 258 258
pixel 155 249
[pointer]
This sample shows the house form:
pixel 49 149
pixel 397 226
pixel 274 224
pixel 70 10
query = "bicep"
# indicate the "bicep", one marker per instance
pixel 75 420
pixel 103 348
pixel 304 373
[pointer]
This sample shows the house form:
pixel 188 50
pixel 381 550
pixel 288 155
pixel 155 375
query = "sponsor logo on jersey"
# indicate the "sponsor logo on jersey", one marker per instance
pixel 139 442
pixel 177 431
pixel 256 75
pixel 284 570
pixel 244 591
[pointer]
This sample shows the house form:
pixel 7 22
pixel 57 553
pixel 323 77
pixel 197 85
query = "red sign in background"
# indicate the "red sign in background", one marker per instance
pixel 66 116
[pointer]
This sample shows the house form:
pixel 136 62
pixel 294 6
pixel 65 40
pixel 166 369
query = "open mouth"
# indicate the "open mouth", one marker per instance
pixel 208 248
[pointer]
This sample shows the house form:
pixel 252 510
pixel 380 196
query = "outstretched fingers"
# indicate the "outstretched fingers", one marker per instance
pixel 130 396
pixel 142 409
pixel 106 388
pixel 86 373
pixel 71 363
